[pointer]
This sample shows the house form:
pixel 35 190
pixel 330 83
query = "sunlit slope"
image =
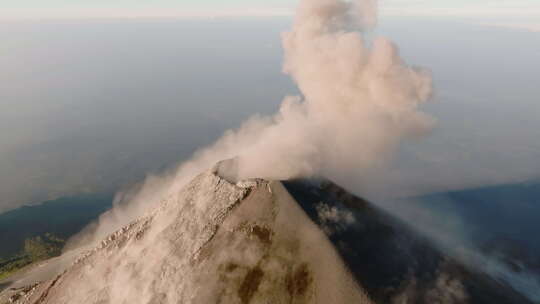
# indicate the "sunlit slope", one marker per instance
pixel 213 242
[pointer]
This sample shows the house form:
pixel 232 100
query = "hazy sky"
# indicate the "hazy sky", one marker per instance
pixel 90 106
pixel 515 13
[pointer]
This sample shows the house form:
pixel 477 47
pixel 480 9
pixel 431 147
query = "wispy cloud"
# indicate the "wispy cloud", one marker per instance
pixel 511 14
pixel 520 14
pixel 475 8
pixel 532 27
pixel 102 13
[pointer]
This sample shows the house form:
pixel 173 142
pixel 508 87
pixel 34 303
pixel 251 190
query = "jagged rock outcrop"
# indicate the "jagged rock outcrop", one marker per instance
pixel 213 242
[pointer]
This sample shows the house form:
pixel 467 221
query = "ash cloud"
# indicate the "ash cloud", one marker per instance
pixel 359 100
pixel 332 218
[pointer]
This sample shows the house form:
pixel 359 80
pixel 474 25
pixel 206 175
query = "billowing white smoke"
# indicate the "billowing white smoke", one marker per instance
pixel 359 101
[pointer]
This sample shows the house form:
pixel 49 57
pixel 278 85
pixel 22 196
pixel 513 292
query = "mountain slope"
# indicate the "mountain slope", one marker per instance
pixel 213 242
pixel 256 241
pixel 393 262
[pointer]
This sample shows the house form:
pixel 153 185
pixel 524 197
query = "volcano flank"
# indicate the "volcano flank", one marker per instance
pixel 260 241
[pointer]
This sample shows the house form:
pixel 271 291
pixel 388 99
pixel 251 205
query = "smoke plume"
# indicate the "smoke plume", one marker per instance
pixel 359 101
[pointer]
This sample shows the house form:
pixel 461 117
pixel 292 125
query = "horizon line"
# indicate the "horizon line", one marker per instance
pixel 100 14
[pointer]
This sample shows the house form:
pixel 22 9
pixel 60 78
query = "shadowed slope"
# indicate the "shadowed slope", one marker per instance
pixel 393 263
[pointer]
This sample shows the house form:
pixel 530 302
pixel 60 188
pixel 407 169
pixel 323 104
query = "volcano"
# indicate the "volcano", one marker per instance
pixel 259 241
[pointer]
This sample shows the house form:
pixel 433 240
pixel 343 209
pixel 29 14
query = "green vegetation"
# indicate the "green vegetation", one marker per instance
pixel 36 249
pixel 39 248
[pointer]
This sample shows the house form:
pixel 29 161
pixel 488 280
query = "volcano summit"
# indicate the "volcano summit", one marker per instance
pixel 213 242
pixel 253 241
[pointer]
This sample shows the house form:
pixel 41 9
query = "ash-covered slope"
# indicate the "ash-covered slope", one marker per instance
pixel 213 242
pixel 253 241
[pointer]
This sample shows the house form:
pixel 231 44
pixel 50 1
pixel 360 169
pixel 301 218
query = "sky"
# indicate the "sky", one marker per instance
pixel 93 106
pixel 523 14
